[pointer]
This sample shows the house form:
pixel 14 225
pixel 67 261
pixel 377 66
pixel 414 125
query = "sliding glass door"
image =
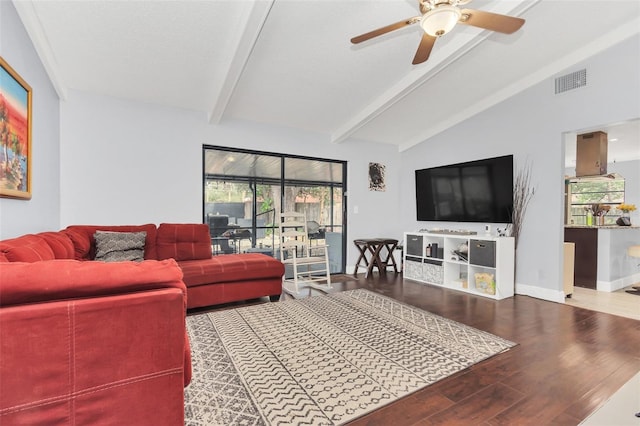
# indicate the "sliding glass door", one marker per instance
pixel 244 191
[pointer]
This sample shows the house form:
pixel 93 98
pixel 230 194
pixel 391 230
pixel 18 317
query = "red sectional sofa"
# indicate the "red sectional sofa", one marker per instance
pixel 210 280
pixel 92 342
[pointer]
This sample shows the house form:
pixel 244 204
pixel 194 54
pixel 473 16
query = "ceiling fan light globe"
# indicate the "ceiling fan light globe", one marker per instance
pixel 440 20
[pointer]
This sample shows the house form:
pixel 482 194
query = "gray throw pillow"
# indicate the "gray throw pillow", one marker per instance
pixel 119 246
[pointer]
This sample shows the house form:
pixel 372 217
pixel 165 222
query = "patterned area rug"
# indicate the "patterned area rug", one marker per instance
pixel 325 360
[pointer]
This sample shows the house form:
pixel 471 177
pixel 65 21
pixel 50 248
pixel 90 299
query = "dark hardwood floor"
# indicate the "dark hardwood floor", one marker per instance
pixel 568 361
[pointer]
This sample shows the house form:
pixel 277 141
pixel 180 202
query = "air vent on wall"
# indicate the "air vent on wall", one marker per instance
pixel 571 81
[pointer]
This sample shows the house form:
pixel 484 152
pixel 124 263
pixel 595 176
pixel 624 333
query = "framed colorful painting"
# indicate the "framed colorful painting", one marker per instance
pixel 15 134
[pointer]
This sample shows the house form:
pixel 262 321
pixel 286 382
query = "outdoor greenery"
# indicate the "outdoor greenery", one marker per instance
pixel 600 192
pixel 314 201
pixel 226 192
pixel 585 194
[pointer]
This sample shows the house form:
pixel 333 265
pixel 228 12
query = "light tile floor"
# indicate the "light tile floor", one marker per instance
pixel 620 409
pixel 618 302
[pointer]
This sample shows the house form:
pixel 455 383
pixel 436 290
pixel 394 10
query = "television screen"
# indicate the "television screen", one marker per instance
pixel 476 191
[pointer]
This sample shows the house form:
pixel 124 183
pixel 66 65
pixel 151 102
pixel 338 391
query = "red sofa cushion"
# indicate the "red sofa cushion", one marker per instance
pixel 65 279
pixel 27 248
pixel 60 243
pixel 229 268
pixel 81 243
pixel 183 241
pixel 85 244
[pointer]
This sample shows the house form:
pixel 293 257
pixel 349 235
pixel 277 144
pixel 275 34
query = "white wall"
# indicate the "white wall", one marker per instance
pixel 530 126
pixel 630 171
pixel 125 162
pixel 42 212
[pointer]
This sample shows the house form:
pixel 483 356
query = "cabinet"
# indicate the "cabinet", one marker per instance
pixel 586 255
pixel 475 264
pixel 569 262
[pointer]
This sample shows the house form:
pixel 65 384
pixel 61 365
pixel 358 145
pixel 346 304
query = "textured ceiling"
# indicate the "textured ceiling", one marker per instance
pixel 290 63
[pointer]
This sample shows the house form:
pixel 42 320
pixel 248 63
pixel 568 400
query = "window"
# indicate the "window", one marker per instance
pixel 584 193
pixel 244 191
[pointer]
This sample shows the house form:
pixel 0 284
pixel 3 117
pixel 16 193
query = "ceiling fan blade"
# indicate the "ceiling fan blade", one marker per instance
pixel 491 21
pixel 384 30
pixel 424 49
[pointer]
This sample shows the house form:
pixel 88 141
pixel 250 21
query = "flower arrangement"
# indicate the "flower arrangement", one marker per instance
pixel 626 208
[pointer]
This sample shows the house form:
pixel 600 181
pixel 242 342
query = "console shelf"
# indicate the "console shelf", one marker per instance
pixel 485 268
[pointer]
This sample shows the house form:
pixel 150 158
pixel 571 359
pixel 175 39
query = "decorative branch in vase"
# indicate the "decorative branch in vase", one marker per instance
pixel 522 193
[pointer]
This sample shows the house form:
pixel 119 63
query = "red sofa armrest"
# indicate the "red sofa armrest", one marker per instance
pixel 92 343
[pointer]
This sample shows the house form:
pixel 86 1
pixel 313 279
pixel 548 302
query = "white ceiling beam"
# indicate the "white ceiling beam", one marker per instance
pixel 40 41
pixel 419 75
pixel 608 40
pixel 254 21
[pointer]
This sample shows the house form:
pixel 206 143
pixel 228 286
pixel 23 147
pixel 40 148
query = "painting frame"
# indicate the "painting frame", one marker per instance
pixel 15 134
pixel 377 177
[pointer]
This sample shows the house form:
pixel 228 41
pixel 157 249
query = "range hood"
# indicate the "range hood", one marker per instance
pixel 594 178
pixel 591 154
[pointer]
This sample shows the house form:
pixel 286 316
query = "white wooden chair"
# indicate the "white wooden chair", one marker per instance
pixel 309 264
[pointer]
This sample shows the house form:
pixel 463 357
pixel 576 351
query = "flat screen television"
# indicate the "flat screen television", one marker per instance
pixel 475 191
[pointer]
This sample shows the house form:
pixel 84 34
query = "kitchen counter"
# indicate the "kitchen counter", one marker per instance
pixel 601 261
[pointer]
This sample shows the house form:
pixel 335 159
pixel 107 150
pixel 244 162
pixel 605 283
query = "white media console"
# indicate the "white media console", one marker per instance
pixel 476 264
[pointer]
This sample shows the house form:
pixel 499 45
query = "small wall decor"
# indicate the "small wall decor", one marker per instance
pixel 15 134
pixel 376 177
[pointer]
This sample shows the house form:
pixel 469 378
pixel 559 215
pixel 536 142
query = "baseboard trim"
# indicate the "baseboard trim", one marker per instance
pixel 540 293
pixel 620 283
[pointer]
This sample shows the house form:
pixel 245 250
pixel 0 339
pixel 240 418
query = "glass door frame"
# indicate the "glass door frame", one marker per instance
pixel 255 181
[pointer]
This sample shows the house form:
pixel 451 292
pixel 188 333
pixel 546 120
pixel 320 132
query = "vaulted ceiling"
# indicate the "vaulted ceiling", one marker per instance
pixel 290 63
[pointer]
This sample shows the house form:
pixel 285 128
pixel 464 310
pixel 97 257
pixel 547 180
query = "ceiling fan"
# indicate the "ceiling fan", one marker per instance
pixel 439 17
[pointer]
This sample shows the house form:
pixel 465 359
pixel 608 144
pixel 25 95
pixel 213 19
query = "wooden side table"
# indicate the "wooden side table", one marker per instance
pixel 373 247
